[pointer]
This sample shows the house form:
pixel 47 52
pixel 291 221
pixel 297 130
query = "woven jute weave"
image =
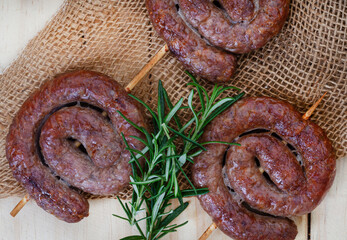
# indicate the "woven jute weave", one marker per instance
pixel 116 38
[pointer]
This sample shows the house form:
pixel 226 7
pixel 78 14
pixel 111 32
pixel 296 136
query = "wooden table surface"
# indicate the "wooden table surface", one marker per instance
pixel 20 20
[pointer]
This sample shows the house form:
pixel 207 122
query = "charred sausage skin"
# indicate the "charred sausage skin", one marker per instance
pixel 291 192
pixel 44 124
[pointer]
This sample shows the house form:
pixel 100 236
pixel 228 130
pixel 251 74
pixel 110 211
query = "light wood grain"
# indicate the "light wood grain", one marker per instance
pixel 329 219
pixel 34 223
pixel 19 22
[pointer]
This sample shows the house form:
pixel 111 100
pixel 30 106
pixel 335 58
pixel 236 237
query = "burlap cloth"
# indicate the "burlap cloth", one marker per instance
pixel 305 60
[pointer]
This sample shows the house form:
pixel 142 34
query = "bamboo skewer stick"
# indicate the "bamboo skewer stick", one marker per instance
pixel 314 106
pixel 159 55
pixel 77 144
pixel 306 116
pixel 20 205
pixel 208 231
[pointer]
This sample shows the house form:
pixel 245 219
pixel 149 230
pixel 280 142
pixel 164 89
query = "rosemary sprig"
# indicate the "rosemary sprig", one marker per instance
pixel 155 183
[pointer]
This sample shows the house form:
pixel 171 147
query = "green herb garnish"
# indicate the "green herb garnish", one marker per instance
pixel 156 183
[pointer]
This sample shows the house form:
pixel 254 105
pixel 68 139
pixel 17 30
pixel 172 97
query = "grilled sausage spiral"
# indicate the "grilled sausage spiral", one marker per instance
pixel 40 147
pixel 242 201
pixel 202 33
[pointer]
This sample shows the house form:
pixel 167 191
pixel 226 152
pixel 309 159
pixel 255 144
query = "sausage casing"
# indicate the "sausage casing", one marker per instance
pixel 42 156
pixel 243 202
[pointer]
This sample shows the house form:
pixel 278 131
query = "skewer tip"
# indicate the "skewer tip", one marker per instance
pixel 20 205
pixel 208 231
pixel 307 115
pixel 77 144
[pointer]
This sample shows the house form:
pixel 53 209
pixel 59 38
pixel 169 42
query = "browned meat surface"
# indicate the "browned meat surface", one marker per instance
pixel 238 189
pixel 202 34
pixel 40 146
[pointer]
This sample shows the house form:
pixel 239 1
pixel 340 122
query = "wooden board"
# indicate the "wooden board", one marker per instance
pixel 328 221
pixel 19 22
pixel 33 223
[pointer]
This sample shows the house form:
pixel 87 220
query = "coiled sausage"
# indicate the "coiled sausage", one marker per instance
pixel 202 35
pixel 40 147
pixel 243 202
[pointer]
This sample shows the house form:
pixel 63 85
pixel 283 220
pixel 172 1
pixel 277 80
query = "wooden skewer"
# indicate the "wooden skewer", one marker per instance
pixel 208 231
pixel 20 205
pixel 261 170
pixel 77 144
pixel 314 106
pixel 159 55
pixel 306 116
